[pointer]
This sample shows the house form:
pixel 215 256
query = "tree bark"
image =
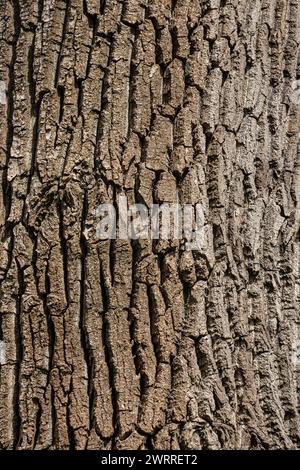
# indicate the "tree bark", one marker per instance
pixel 141 344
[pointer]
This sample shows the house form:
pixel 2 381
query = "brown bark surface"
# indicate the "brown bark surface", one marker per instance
pixel 141 344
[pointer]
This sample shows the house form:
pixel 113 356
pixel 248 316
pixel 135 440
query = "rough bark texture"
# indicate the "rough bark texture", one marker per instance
pixel 141 344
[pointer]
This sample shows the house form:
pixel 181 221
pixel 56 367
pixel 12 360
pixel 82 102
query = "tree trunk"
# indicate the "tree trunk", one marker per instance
pixel 142 344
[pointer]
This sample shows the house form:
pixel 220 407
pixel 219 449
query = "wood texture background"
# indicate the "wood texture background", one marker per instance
pixel 141 344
